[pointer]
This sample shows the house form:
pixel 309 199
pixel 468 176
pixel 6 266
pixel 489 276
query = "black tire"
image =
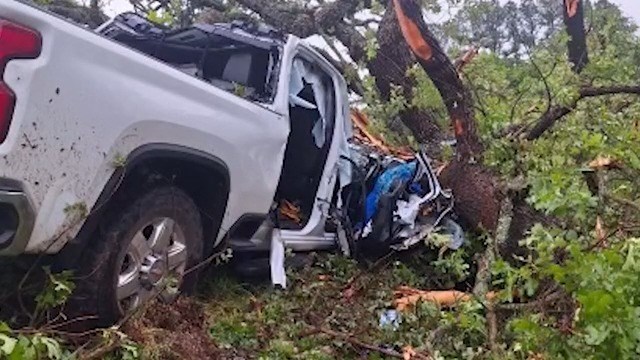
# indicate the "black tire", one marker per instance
pixel 95 293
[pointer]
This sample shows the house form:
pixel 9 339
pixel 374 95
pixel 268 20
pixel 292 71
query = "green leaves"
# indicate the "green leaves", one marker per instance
pixel 8 344
pixel 371 45
pixel 603 282
pixel 57 290
pixel 35 347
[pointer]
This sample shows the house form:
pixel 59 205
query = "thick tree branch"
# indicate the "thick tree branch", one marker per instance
pixel 289 17
pixel 574 23
pixel 334 12
pixel 296 19
pixel 353 82
pixel 326 20
pixel 444 75
pixel 609 90
pixel 353 40
pixel 218 5
pixel 555 113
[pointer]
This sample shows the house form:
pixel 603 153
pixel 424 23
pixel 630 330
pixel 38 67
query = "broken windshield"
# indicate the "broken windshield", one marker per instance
pixel 237 57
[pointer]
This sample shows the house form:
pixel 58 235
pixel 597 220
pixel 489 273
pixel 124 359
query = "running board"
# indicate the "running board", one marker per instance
pixel 293 241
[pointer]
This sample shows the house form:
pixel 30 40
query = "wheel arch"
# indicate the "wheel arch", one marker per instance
pixel 203 176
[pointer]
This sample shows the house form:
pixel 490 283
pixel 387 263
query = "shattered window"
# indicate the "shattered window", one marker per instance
pixel 307 79
pixel 224 55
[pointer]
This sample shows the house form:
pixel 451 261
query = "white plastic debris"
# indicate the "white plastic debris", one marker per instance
pixel 368 228
pixel 407 211
pixel 456 232
pixel 276 260
pixel 389 318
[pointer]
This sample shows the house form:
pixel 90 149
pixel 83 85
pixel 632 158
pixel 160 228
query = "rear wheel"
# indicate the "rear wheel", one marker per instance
pixel 145 252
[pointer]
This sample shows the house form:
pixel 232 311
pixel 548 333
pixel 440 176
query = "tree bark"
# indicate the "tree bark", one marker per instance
pixel 294 18
pixel 475 187
pixel 389 67
pixel 574 22
pixel 445 77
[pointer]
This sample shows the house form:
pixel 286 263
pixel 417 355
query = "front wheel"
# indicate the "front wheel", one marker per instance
pixel 147 251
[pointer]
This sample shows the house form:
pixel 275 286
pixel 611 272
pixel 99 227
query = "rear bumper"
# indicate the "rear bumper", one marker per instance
pixel 17 217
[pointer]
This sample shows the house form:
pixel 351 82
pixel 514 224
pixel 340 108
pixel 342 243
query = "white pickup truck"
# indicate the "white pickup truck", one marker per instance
pixel 133 152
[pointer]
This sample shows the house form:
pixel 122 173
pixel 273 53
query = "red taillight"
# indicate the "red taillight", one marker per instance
pixel 16 42
pixel 7 103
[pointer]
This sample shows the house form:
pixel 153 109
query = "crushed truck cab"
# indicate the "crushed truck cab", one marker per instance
pixel 288 79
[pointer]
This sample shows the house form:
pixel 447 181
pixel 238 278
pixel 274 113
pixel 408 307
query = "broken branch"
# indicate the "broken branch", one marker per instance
pixel 444 298
pixel 444 75
pixel 466 58
pixel 549 118
pixel 355 342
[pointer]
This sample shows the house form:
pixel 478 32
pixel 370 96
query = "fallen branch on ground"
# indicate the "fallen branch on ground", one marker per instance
pixel 406 297
pixel 102 351
pixel 360 344
pixel 350 290
pixel 532 305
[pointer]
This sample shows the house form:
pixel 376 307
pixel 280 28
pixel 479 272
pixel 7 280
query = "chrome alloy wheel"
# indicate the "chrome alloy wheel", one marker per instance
pixel 153 265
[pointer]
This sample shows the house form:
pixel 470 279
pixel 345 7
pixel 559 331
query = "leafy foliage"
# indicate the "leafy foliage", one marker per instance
pixel 32 347
pixel 591 253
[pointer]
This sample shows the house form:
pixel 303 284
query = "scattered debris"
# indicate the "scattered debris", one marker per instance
pixel 390 318
pixel 360 123
pixel 276 260
pixel 407 297
pixel 408 353
pixel 393 204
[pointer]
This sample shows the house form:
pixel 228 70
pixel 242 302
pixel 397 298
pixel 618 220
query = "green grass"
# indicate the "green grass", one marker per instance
pixel 259 322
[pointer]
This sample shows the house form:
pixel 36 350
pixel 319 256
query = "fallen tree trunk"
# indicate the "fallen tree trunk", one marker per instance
pixel 475 186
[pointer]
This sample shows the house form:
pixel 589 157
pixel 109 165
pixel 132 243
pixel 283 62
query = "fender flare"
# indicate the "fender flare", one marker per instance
pixel 68 256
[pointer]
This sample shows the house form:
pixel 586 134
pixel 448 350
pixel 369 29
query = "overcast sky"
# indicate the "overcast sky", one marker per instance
pixel 630 7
